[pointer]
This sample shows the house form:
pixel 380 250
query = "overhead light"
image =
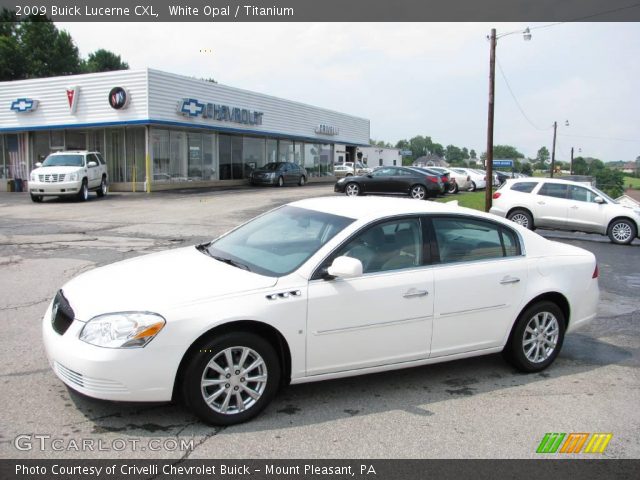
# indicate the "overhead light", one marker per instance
pixel 526 34
pixel 566 123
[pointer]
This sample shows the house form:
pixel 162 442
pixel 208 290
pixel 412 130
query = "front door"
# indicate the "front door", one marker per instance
pixel 583 213
pixel 381 317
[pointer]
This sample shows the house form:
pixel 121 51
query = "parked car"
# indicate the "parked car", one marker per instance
pixel 564 205
pixel 448 183
pixel 392 180
pixel 279 173
pixel 317 289
pixel 69 173
pixel 477 180
pixel 345 169
pixel 462 181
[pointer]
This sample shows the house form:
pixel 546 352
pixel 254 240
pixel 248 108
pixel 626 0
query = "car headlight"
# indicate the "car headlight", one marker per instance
pixel 73 176
pixel 342 180
pixel 122 330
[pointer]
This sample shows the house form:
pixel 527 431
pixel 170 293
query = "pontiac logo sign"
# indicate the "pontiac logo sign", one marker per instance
pixel 324 129
pixel 190 107
pixel 72 98
pixel 118 98
pixel 22 105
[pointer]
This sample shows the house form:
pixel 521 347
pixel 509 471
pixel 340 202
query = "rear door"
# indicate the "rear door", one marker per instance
pixel 479 279
pixel 551 205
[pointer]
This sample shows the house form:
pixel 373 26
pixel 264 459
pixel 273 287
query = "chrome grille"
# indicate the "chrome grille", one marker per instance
pixel 51 177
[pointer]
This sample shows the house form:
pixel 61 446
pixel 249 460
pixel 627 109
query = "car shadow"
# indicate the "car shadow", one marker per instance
pixel 410 390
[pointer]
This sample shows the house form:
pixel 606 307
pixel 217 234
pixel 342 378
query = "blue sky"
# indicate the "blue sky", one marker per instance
pixel 417 78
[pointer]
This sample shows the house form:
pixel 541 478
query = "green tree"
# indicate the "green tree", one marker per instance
pixel 580 166
pixel 103 61
pixel 454 155
pixel 610 181
pixel 543 155
pixel 472 153
pixel 506 151
pixel 526 169
pixel 11 66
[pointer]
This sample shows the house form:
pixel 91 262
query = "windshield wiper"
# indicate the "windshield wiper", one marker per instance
pixel 232 262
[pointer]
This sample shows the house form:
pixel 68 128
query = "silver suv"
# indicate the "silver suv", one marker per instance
pixel 69 173
pixel 560 204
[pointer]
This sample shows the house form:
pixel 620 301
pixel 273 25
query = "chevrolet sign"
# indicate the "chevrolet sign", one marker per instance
pixel 22 105
pixel 191 107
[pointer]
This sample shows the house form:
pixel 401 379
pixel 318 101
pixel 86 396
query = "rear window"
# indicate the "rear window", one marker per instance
pixel 526 187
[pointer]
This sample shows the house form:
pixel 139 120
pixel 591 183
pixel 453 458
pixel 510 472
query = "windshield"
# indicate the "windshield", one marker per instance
pixel 278 242
pixel 63 161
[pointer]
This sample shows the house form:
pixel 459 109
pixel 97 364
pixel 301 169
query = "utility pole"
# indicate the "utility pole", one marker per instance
pixel 492 84
pixel 571 164
pixel 553 150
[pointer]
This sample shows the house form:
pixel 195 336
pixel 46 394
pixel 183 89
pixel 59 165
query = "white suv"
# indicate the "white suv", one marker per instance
pixel 69 173
pixel 564 205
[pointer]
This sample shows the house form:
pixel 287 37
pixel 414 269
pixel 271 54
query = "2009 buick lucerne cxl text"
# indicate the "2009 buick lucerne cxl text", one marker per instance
pixel 313 290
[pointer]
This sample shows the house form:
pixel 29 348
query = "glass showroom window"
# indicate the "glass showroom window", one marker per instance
pixel 160 155
pixel 326 160
pixel 272 150
pixel 115 155
pixel 298 153
pixel 135 155
pixel 312 159
pixel 209 165
pixel 178 159
pixel 285 151
pixel 253 153
pixel 41 148
pixel 194 156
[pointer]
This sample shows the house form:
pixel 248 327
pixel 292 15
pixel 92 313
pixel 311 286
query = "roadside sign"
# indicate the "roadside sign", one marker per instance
pixel 406 153
pixel 503 163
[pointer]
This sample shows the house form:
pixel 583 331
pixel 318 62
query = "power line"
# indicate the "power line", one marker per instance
pixel 504 77
pixel 593 137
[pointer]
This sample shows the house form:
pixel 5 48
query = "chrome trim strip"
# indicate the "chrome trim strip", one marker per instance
pixel 372 325
pixel 472 310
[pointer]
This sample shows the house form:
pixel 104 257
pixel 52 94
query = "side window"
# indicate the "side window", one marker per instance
pixel 386 246
pixel 557 190
pixel 384 172
pixel 92 158
pixel 580 194
pixel 525 187
pixel 102 162
pixel 462 239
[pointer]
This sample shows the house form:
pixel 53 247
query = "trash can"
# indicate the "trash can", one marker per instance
pixel 11 186
pixel 18 183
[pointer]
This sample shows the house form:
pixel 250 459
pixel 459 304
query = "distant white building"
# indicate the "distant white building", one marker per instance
pixel 379 156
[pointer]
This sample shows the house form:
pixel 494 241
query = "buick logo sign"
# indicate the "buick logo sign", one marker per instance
pixel 118 98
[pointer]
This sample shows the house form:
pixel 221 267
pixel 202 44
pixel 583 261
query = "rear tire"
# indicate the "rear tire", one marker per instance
pixel 622 231
pixel 104 188
pixel 224 394
pixel 472 187
pixel 521 217
pixel 537 337
pixel 453 188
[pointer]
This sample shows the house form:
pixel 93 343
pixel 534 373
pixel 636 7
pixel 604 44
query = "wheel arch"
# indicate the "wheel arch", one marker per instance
pixel 622 217
pixel 266 331
pixel 525 209
pixel 554 297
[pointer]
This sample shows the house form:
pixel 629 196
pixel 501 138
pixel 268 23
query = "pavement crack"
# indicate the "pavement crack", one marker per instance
pixel 25 305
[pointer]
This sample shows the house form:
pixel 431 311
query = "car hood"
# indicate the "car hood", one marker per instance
pixel 158 282
pixel 55 169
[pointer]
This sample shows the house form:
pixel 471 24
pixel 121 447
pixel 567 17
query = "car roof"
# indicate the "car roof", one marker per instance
pixel 544 179
pixel 64 152
pixel 370 208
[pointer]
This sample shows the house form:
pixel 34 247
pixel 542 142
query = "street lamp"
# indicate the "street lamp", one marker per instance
pixel 553 150
pixel 493 38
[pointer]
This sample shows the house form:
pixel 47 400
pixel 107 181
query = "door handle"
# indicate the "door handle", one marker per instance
pixel 574 207
pixel 412 292
pixel 541 202
pixel 508 279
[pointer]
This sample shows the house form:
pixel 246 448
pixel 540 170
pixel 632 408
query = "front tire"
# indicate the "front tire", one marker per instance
pixel 521 217
pixel 280 181
pixel 36 198
pixel 231 378
pixel 418 192
pixel 537 337
pixel 453 188
pixel 472 187
pixel 104 188
pixel 352 189
pixel 83 194
pixel 622 231
pixel 302 181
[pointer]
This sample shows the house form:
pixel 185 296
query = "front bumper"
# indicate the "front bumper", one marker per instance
pixel 263 181
pixel 137 374
pixel 54 188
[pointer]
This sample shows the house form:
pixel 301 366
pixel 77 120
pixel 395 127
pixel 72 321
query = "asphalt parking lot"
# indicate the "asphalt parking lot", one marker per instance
pixel 476 408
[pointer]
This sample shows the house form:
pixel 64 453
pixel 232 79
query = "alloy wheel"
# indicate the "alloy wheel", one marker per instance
pixel 520 219
pixel 234 380
pixel 540 337
pixel 621 232
pixel 418 192
pixel 352 190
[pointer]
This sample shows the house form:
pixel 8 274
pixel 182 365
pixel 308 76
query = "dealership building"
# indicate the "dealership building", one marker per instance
pixel 159 130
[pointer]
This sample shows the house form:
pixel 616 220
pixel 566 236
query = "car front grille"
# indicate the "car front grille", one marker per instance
pixel 51 178
pixel 93 384
pixel 62 314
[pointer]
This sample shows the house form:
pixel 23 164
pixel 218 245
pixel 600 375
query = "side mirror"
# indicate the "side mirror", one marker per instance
pixel 37 164
pixel 345 267
pixel 92 164
pixel 369 175
pixel 599 200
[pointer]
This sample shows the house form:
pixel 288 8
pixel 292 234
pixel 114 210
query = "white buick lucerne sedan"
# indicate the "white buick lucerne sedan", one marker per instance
pixel 314 290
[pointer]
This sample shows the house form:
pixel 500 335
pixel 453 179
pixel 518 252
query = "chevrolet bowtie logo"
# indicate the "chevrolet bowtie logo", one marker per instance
pixel 24 105
pixel 191 107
